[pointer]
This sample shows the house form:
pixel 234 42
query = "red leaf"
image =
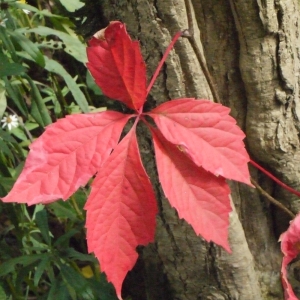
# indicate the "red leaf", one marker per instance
pixel 116 63
pixel 199 197
pixel 290 247
pixel 207 134
pixel 66 155
pixel 120 211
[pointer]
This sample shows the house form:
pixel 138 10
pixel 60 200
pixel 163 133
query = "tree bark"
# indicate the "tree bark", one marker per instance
pixel 251 50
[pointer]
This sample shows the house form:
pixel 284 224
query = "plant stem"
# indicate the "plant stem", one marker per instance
pixel 78 211
pixel 174 40
pixel 288 188
pixel 59 95
pixel 272 200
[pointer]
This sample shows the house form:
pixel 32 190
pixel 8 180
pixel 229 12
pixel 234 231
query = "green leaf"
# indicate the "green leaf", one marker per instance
pixel 17 171
pixel 51 44
pixel 19 133
pixel 3 102
pixel 20 5
pixel 65 238
pixel 91 84
pixel 41 219
pixel 73 45
pixel 2 294
pixel 24 274
pixel 29 47
pixel 42 266
pixel 72 5
pixel 8 69
pixel 5 149
pixel 73 278
pixel 9 266
pixel 58 290
pixel 35 113
pixel 7 183
pixel 44 12
pixel 63 211
pixel 6 136
pixel 7 43
pixel 15 94
pixel 4 170
pixel 39 110
pixel 30 126
pixel 55 67
pixel 72 253
pixel 103 289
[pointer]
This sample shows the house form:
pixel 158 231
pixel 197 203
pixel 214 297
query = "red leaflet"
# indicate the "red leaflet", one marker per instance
pixel 120 211
pixel 66 155
pixel 290 247
pixel 200 198
pixel 206 133
pixel 117 65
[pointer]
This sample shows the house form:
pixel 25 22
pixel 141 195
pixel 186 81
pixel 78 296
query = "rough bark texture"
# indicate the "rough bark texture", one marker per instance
pixel 251 50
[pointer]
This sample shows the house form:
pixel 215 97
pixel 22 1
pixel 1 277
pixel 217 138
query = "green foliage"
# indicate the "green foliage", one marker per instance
pixel 43 252
pixel 43 255
pixel 72 5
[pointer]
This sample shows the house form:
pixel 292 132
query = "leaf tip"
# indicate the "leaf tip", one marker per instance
pixel 119 296
pixel 100 35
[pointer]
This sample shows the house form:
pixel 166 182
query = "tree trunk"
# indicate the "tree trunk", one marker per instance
pixel 251 50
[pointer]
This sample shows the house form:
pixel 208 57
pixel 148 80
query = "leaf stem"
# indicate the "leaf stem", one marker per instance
pixel 174 40
pixel 288 188
pixel 59 95
pixel 78 211
pixel 272 200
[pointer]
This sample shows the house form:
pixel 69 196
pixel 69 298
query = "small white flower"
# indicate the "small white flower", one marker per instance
pixel 11 121
pixel 2 22
pixel 26 11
